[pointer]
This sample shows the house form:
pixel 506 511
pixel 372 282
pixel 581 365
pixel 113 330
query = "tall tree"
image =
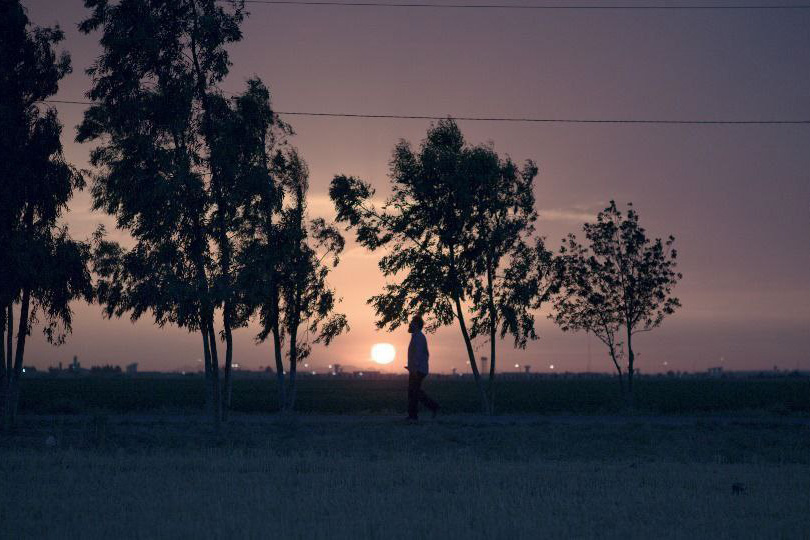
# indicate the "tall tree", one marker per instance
pixel 161 172
pixel 623 279
pixel 259 138
pixel 42 268
pixel 309 249
pixel 457 214
pixel 511 278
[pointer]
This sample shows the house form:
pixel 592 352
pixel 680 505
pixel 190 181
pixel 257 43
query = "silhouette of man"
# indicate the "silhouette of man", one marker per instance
pixel 418 356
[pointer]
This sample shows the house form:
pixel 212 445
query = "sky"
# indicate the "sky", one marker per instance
pixel 737 198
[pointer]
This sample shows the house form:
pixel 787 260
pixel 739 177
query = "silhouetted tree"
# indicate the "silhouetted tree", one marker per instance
pixel 511 277
pixel 306 297
pixel 250 138
pixel 587 300
pixel 457 215
pixel 622 279
pixel 261 253
pixel 162 169
pixel 41 269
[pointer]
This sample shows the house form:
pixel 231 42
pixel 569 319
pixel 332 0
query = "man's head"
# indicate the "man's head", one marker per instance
pixel 416 324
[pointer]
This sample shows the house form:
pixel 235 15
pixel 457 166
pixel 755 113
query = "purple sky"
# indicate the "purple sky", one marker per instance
pixel 736 198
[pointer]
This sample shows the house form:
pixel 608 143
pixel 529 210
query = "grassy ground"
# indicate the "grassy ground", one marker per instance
pixel 136 458
pixel 387 396
pixel 376 477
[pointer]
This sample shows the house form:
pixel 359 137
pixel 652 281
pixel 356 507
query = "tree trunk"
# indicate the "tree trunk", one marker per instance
pixel 493 328
pixel 209 394
pixel 471 355
pixel 3 370
pixel 282 395
pixel 215 384
pixel 13 392
pixel 630 368
pixel 226 405
pixel 10 338
pixel 618 370
pixel 9 368
pixel 291 380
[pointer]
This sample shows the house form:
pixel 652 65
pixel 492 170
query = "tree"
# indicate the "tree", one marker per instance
pixel 511 278
pixel 43 269
pixel 161 170
pixel 457 215
pixel 623 279
pixel 260 256
pixel 586 300
pixel 279 259
pixel 304 297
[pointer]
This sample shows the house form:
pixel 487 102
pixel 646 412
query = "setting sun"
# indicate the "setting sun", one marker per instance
pixel 383 353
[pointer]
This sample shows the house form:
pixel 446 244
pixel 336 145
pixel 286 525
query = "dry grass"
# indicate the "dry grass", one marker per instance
pixel 455 479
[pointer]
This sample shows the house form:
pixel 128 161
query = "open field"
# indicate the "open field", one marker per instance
pixel 320 395
pixel 376 477
pixel 136 458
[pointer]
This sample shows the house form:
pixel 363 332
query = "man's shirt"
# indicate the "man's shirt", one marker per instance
pixel 418 353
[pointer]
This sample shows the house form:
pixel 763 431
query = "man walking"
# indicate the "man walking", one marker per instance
pixel 418 369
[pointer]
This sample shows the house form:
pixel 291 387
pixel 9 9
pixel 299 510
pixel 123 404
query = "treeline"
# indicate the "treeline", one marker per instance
pixel 213 197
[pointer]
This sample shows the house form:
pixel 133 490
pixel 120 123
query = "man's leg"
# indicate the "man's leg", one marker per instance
pixel 426 399
pixel 413 395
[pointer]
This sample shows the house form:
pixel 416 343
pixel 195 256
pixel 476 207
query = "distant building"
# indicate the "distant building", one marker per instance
pixel 106 369
pixel 132 368
pixel 715 371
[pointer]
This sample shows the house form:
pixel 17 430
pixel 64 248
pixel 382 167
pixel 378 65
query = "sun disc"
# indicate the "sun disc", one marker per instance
pixel 383 353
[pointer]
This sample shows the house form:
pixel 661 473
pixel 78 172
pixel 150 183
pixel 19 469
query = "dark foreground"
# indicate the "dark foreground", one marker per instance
pixel 460 476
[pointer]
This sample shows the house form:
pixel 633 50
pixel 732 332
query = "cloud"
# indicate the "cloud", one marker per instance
pixel 577 214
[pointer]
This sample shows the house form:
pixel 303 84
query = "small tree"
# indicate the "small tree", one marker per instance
pixel 622 279
pixel 586 300
pixel 42 269
pixel 457 215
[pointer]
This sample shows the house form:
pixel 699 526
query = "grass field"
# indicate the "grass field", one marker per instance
pixel 375 477
pixel 137 458
pixel 387 396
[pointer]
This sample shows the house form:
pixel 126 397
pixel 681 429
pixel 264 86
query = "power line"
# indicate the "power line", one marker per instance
pixel 624 7
pixel 551 120
pixel 702 122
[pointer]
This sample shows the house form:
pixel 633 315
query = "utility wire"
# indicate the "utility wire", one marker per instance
pixel 516 119
pixel 436 5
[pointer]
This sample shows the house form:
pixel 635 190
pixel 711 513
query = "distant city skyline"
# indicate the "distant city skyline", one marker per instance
pixel 737 198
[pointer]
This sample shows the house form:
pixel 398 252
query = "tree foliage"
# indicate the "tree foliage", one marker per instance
pixel 457 217
pixel 301 308
pixel 42 269
pixel 159 121
pixel 622 279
